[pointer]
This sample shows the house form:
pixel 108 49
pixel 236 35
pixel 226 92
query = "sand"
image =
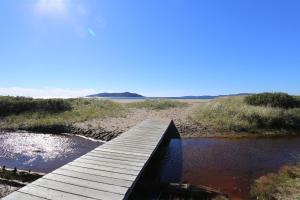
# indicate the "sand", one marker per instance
pixel 106 129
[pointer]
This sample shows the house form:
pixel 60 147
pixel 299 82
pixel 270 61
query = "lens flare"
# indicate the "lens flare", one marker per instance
pixel 91 32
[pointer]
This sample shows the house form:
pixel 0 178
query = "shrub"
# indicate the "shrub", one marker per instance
pixel 17 105
pixel 282 185
pixel 280 100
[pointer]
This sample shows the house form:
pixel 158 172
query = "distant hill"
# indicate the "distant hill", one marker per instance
pixel 135 95
pixel 115 94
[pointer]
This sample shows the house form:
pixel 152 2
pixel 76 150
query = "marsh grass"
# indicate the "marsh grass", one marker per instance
pixel 157 104
pixel 233 114
pixel 21 176
pixel 282 185
pixel 17 105
pixel 81 110
pixel 277 99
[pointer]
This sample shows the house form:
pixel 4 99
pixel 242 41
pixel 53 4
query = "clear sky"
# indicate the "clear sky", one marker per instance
pixel 153 47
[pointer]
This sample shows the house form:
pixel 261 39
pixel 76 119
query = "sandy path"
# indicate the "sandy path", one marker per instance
pixel 111 127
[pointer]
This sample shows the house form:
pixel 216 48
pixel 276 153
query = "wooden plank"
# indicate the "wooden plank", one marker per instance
pixel 117 155
pixel 134 163
pixel 50 193
pixel 76 190
pixel 83 183
pixel 121 158
pixel 122 152
pixel 136 144
pixel 110 164
pixel 105 168
pixel 100 173
pixel 23 196
pixel 93 177
pixel 100 151
pixel 131 145
pixel 129 150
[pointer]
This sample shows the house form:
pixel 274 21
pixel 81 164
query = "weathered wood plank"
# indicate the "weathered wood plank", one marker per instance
pixel 23 196
pixel 76 190
pixel 119 158
pixel 100 173
pixel 93 177
pixel 85 183
pixel 50 193
pixel 116 155
pixel 105 168
pixel 110 164
pixel 123 152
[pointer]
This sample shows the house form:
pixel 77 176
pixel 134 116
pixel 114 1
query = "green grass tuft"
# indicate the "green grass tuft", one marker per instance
pixel 158 104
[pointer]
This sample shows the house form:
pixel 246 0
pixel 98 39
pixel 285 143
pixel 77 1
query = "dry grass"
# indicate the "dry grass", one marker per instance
pixel 283 185
pixel 82 110
pixel 233 114
pixel 159 104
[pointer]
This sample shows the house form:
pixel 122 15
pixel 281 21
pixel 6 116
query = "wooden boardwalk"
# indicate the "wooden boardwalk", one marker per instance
pixel 107 172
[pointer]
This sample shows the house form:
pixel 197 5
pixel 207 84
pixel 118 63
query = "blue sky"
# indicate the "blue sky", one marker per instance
pixel 156 48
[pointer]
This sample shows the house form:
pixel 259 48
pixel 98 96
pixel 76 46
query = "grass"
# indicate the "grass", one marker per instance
pixel 17 105
pixel 157 104
pixel 278 100
pixel 234 114
pixel 282 185
pixel 81 110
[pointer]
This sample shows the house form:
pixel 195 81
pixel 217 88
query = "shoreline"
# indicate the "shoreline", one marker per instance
pixel 200 132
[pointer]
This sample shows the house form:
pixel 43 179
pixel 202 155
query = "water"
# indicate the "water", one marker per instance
pixel 41 152
pixel 230 165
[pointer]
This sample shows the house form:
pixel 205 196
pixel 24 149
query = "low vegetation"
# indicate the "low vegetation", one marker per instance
pixel 57 120
pixel 278 100
pixel 282 185
pixel 20 176
pixel 235 114
pixel 157 104
pixel 17 105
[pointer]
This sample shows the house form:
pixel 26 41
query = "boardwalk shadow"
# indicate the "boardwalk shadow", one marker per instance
pixel 164 167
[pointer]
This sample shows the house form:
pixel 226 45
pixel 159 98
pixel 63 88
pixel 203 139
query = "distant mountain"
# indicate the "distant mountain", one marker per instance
pixel 117 95
pixel 135 95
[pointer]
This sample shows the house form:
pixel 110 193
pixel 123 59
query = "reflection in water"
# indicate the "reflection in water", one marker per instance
pixel 171 164
pixel 41 152
pixel 230 165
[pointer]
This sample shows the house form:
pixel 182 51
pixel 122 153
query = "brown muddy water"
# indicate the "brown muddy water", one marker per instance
pixel 229 165
pixel 41 152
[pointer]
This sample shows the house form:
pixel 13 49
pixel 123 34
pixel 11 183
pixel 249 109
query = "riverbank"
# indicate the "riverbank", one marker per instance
pixel 103 119
pixel 13 179
pixel 106 119
pixel 282 185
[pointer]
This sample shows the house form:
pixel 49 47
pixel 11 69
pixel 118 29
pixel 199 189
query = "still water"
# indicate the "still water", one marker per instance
pixel 41 152
pixel 230 165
